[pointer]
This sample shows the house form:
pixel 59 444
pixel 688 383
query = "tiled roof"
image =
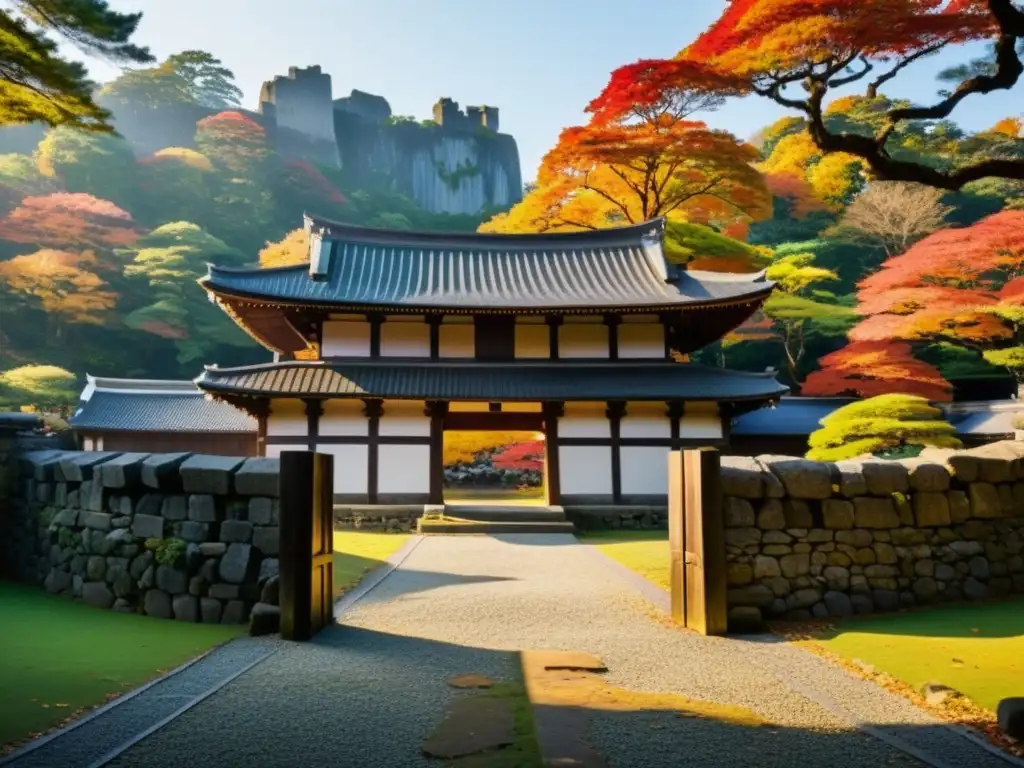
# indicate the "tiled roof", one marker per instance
pixel 360 267
pixel 494 381
pixel 791 416
pixel 150 406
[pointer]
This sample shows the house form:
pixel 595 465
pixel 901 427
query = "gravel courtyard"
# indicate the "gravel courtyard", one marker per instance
pixel 367 692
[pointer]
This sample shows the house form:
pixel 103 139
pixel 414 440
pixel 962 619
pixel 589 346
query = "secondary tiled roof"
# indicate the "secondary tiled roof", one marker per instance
pixel 791 416
pixel 493 381
pixel 361 267
pixel 140 405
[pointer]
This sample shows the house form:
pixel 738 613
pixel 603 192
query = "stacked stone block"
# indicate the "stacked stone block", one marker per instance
pixel 182 536
pixel 815 539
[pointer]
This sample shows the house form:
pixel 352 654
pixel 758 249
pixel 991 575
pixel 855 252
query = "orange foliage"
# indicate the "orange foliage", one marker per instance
pixel 867 369
pixel 1012 127
pixel 68 220
pixel 312 183
pixel 63 283
pixel 941 286
pixel 795 189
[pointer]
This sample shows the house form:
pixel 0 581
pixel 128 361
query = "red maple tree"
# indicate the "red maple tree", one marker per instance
pixel 866 369
pixel 524 456
pixel 68 220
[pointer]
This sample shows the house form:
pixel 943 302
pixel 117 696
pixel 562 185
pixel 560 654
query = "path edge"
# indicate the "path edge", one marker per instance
pixel 373 579
pixel 96 712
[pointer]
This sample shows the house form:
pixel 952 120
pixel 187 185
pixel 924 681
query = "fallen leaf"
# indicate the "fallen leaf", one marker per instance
pixel 975 629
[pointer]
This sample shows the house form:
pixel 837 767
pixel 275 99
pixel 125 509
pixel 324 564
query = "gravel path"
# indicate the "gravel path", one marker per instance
pixel 366 693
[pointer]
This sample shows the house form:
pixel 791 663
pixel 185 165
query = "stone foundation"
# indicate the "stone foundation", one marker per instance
pixel 602 517
pixel 180 536
pixel 814 539
pixel 377 517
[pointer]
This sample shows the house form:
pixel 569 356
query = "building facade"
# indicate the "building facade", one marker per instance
pixel 582 336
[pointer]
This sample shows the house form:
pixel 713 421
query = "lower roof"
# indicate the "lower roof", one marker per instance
pixel 475 381
pixel 163 410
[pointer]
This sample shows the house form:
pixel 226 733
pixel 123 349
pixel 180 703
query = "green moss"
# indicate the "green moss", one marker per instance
pixel 454 178
pixel 167 551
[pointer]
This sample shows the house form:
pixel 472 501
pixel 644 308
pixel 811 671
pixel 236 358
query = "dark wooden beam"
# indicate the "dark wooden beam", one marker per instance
pixel 374 409
pixel 675 413
pixel 554 323
pixel 436 410
pixel 314 409
pixel 613 322
pixel 488 421
pixel 375 320
pixel 615 411
pixel 552 462
pixel 434 321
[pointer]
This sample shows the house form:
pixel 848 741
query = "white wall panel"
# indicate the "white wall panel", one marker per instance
pixel 404 469
pixel 287 418
pixel 582 340
pixel 343 417
pixel 584 420
pixel 646 420
pixel 533 342
pixel 585 469
pixel 701 421
pixel 345 338
pixel 456 340
pixel 644 470
pixel 405 418
pixel 398 339
pixel 641 341
pixel 350 466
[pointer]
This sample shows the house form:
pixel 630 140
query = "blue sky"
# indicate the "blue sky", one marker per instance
pixel 539 61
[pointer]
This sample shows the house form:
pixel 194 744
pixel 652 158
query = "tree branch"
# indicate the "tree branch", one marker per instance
pixel 878 82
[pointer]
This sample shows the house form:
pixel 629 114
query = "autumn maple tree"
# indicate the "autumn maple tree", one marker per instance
pixel 798 52
pixel 293 248
pixel 68 220
pixel 647 162
pixel 866 369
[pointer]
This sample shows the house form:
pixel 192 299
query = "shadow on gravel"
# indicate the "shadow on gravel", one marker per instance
pixel 407 582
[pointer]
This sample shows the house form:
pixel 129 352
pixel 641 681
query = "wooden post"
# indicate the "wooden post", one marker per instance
pixel 676 537
pixel 552 463
pixel 436 410
pixel 306 559
pixel 697 565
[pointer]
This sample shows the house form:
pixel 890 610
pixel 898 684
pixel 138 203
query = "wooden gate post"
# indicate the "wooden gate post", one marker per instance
pixel 306 559
pixel 697 565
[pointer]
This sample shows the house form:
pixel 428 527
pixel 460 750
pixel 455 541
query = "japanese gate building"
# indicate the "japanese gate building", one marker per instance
pixel 581 336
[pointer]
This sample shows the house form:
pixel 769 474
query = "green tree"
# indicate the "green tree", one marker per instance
pixel 886 426
pixel 37 84
pixel 43 387
pixel 800 311
pixel 189 77
pixel 170 259
pixel 81 161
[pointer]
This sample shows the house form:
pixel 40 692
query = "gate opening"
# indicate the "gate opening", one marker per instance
pixel 494 467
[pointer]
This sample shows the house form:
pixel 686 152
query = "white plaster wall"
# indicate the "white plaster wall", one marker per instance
pixel 287 418
pixel 456 340
pixel 404 418
pixel 641 341
pixel 646 420
pixel 533 342
pixel 345 338
pixel 343 417
pixel 404 469
pixel 584 420
pixel 399 339
pixel 585 469
pixel 701 421
pixel 274 451
pixel 87 444
pixel 582 340
pixel 644 469
pixel 350 467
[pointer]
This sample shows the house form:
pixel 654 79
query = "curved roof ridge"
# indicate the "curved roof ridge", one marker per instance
pixel 631 233
pixel 145 386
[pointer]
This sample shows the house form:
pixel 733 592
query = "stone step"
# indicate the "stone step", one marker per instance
pixel 497 514
pixel 454 526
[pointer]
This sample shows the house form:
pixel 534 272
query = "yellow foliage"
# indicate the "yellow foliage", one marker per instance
pixel 186 156
pixel 62 282
pixel 463 446
pixel 292 249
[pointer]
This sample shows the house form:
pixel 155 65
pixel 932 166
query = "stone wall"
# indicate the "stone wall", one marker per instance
pixel 814 539
pixel 180 536
pixel 395 518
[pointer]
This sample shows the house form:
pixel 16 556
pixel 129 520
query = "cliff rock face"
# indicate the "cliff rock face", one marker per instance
pixel 456 163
